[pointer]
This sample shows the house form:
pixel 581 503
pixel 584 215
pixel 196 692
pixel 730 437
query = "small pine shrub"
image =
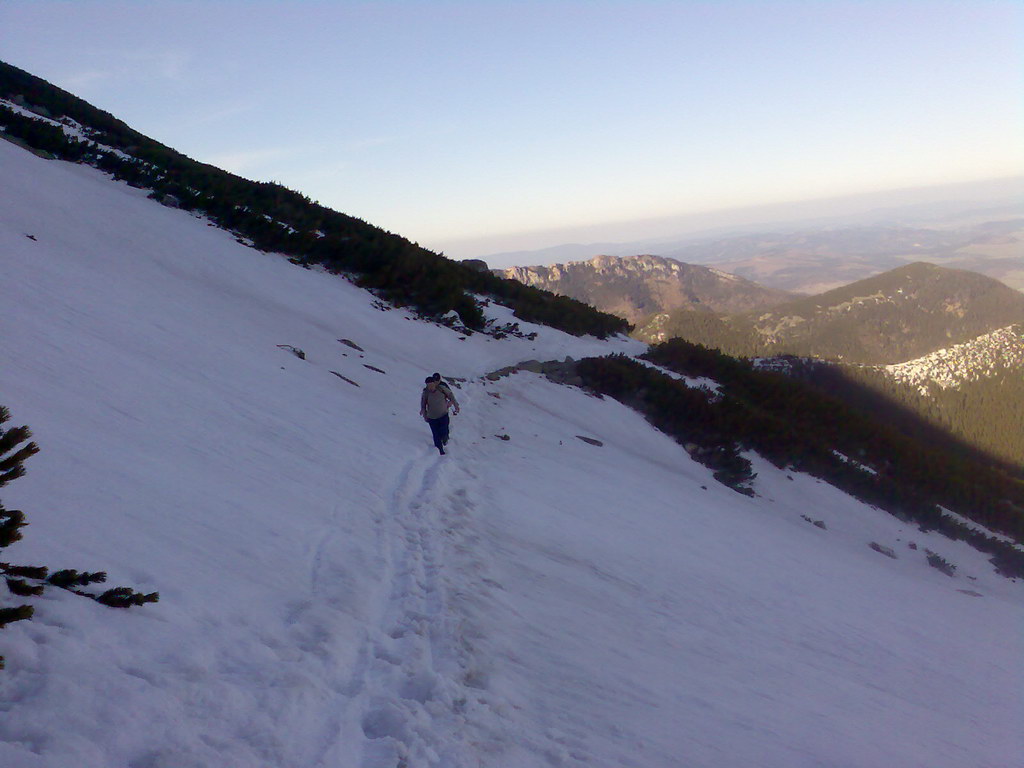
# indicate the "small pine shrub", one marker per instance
pixel 22 588
pixel 11 466
pixel 123 597
pixel 941 563
pixel 11 520
pixel 21 612
pixel 12 458
pixel 24 571
pixel 69 577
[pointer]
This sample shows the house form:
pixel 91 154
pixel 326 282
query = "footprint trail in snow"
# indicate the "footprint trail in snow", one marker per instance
pixel 424 691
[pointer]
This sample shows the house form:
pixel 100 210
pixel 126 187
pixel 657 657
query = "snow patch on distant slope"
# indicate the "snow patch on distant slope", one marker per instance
pixel 977 359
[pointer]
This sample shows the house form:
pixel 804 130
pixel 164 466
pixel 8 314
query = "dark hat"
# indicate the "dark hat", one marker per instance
pixel 436 377
pixel 429 379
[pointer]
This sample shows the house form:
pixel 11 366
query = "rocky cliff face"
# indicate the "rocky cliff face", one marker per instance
pixel 635 287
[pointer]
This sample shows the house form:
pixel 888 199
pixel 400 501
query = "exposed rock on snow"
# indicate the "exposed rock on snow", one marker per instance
pixel 352 344
pixel 887 551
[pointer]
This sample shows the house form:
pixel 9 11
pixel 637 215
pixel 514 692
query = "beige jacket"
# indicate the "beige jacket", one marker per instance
pixel 434 405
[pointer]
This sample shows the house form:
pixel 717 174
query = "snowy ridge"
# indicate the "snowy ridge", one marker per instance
pixel 71 128
pixel 334 593
pixel 973 360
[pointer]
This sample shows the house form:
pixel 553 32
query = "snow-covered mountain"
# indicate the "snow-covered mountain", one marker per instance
pixel 334 593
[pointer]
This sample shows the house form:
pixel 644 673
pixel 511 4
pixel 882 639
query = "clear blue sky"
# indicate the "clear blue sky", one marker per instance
pixel 448 121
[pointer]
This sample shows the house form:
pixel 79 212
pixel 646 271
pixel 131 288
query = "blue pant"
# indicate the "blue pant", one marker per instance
pixel 439 429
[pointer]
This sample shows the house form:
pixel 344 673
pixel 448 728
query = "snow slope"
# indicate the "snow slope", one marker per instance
pixel 334 593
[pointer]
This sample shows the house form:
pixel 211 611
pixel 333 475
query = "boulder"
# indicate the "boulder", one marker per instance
pixel 887 551
pixel 349 343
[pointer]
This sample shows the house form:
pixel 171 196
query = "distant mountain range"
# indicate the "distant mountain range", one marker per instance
pixel 636 287
pixel 890 318
pixel 944 344
pixel 810 260
pixel 817 261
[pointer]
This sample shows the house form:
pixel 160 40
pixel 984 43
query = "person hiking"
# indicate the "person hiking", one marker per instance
pixel 435 401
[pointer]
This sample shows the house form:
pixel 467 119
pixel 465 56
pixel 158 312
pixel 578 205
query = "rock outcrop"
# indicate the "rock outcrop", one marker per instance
pixel 635 287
